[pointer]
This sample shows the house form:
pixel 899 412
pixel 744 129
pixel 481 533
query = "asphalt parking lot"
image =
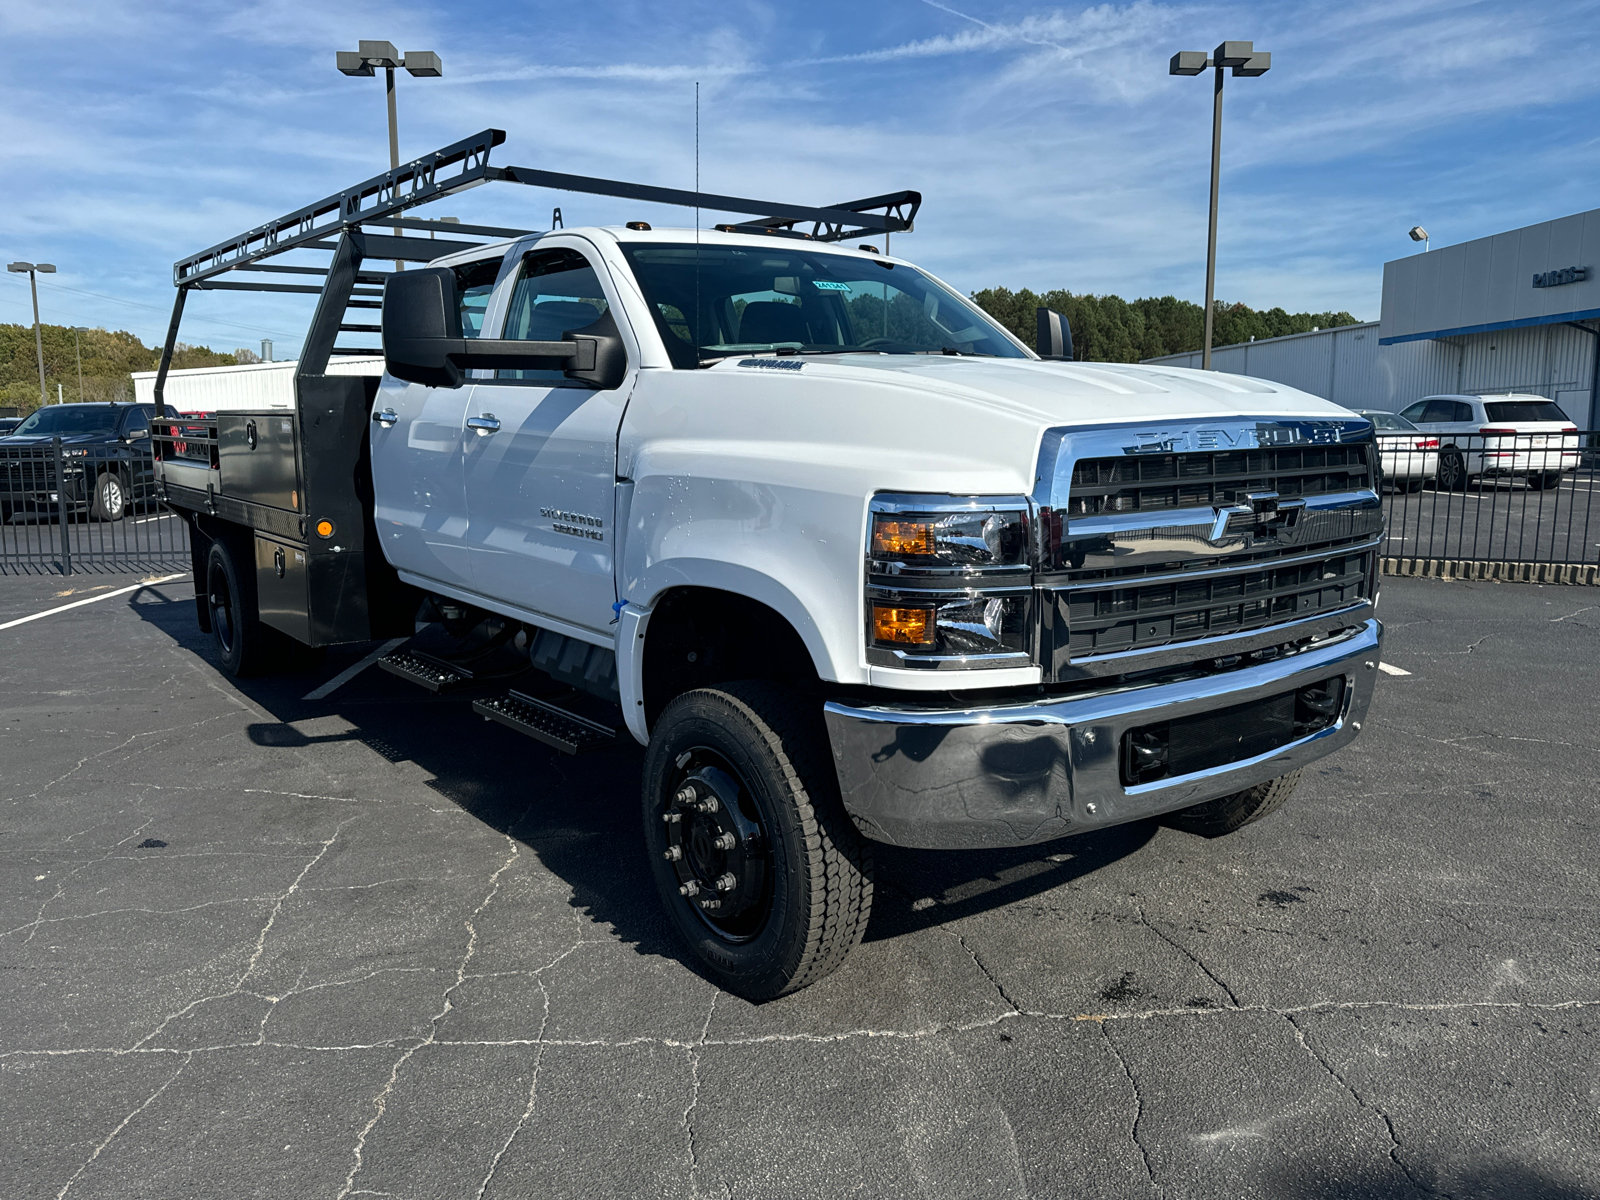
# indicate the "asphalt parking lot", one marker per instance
pixel 256 945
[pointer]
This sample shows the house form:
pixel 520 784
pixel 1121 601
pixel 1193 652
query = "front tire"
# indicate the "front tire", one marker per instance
pixel 1227 814
pixel 110 497
pixel 759 866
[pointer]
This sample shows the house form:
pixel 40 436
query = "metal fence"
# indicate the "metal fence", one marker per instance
pixel 67 509
pixel 1521 505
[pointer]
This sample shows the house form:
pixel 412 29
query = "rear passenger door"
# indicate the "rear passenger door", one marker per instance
pixel 541 454
pixel 136 447
pixel 418 442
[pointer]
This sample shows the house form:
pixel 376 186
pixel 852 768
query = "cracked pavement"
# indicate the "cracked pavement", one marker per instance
pixel 253 945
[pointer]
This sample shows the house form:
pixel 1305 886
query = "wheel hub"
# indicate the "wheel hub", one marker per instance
pixel 718 853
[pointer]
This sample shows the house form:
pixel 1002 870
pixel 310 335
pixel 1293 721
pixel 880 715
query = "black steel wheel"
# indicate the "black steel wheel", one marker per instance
pixel 1226 814
pixel 760 868
pixel 243 642
pixel 1452 471
pixel 110 497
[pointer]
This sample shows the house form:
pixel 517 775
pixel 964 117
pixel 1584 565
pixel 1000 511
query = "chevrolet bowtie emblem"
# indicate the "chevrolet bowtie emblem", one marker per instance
pixel 1261 513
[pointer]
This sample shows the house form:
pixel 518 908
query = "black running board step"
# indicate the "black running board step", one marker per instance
pixel 545 722
pixel 426 671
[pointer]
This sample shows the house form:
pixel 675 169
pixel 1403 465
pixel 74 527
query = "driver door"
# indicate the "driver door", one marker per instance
pixel 541 454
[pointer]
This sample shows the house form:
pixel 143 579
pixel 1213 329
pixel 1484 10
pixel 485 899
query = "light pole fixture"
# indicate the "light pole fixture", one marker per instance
pixel 423 64
pixel 33 270
pixel 1419 234
pixel 1246 62
pixel 78 351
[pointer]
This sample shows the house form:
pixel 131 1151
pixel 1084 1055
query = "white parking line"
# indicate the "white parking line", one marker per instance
pixel 1390 669
pixel 349 673
pixel 50 612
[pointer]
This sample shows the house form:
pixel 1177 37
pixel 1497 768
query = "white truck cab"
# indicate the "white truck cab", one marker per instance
pixel 849 558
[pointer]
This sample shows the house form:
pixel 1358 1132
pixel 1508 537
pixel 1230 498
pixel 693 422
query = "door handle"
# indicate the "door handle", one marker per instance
pixel 385 418
pixel 484 425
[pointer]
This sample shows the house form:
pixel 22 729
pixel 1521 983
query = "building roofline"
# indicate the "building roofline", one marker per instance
pixel 1287 337
pixel 1588 314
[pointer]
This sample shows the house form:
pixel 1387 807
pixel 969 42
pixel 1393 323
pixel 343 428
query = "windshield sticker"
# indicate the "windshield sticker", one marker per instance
pixel 772 364
pixel 828 285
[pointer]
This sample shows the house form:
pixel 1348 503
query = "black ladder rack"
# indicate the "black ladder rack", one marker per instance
pixel 366 221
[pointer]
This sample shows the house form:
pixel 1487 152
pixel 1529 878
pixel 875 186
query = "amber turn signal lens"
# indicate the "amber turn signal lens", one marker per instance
pixel 902 537
pixel 325 528
pixel 903 626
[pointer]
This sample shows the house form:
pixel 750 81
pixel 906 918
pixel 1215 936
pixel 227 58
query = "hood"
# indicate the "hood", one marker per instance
pixel 68 439
pixel 1056 393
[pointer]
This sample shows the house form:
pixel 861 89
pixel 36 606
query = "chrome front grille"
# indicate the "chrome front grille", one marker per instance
pixel 1143 482
pixel 1110 619
pixel 1164 547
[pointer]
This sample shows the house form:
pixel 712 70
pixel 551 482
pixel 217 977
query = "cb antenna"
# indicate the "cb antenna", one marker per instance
pixel 696 326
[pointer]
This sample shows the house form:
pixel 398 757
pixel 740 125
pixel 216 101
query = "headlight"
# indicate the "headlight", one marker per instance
pixel 949 582
pixel 73 453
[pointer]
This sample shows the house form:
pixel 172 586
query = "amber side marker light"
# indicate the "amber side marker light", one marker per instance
pixel 895 625
pixel 325 528
pixel 902 537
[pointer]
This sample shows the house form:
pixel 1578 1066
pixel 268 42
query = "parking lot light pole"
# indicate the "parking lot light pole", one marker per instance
pixel 78 351
pixel 32 270
pixel 1246 62
pixel 368 56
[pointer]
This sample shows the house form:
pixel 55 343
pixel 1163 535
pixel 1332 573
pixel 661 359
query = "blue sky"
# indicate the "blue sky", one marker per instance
pixel 1051 146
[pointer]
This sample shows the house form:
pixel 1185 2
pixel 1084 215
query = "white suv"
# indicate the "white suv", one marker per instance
pixel 1536 439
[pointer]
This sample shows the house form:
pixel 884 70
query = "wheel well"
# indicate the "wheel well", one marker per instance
pixel 702 636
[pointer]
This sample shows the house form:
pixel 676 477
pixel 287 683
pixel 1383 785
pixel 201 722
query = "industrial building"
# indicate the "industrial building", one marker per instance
pixel 1515 312
pixel 248 386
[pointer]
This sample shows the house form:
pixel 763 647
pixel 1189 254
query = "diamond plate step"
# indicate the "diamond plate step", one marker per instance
pixel 545 722
pixel 426 671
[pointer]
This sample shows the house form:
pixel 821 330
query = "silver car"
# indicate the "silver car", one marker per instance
pixel 1410 457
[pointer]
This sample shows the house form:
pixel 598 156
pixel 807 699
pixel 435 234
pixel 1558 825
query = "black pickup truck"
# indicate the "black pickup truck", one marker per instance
pixel 100 453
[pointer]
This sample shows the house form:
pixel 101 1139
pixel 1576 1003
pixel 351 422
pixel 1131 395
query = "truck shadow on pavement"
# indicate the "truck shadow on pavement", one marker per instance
pixel 581 815
pixel 1420 1179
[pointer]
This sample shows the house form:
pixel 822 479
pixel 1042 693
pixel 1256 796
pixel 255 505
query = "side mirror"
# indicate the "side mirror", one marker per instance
pixel 1055 335
pixel 423 341
pixel 421 325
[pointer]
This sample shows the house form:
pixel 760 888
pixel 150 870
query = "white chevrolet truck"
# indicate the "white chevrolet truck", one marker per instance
pixel 854 563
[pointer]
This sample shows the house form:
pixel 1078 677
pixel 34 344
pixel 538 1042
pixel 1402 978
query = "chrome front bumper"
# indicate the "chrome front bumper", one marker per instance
pixel 1013 775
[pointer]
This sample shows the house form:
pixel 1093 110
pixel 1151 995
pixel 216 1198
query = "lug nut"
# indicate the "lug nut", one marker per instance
pixel 672 853
pixel 726 882
pixel 708 805
pixel 671 818
pixel 726 842
pixel 688 889
pixel 686 795
pixel 709 903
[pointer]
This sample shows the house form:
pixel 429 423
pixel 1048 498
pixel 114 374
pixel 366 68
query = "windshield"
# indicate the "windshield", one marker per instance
pixel 714 301
pixel 1524 410
pixel 1388 420
pixel 70 419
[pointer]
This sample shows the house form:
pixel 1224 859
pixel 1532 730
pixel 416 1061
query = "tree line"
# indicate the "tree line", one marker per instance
pixel 1111 329
pixel 109 359
pixel 1104 329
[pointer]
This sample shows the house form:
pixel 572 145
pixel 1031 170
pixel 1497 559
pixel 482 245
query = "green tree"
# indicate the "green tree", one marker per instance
pixel 109 360
pixel 1111 329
